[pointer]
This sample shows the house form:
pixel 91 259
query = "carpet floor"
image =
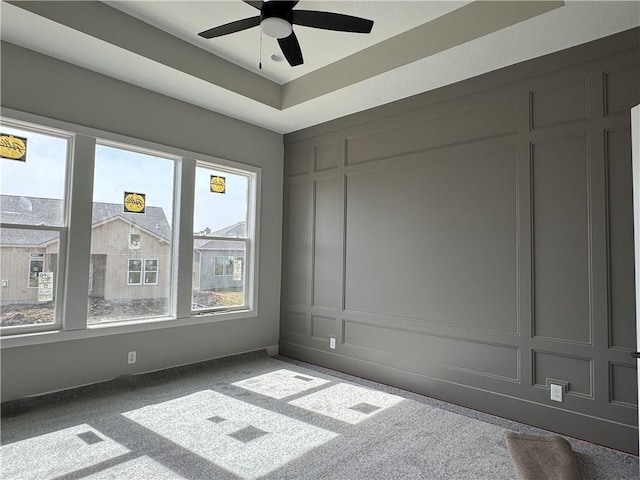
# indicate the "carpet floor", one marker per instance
pixel 257 417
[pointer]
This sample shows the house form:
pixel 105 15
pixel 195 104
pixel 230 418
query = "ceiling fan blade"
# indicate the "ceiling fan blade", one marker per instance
pixel 255 4
pixel 332 21
pixel 231 27
pixel 284 4
pixel 291 49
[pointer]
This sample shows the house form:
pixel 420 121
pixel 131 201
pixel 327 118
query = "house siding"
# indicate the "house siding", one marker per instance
pixel 112 240
pixel 15 271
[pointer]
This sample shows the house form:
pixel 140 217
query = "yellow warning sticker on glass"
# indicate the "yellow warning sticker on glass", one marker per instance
pixel 218 184
pixel 13 148
pixel 134 202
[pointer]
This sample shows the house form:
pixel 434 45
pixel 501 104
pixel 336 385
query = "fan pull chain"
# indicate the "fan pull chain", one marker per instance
pixel 260 64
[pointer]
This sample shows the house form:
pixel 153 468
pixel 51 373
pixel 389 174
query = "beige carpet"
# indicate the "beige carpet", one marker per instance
pixel 540 458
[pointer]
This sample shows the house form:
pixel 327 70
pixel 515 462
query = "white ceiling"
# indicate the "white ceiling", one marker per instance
pixel 415 46
pixel 320 47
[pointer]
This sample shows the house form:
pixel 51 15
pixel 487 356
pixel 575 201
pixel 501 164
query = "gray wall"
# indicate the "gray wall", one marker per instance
pixel 475 243
pixel 37 84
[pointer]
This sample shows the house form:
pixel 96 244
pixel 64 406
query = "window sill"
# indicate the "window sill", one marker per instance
pixel 106 329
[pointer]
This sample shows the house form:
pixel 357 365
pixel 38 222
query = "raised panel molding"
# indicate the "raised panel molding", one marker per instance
pixel 298 242
pixel 559 104
pixel 622 385
pixel 475 123
pixel 576 372
pixel 621 89
pixel 622 301
pixel 561 250
pixel 421 239
pixel 327 157
pixel 326 245
pixel 294 322
pixel 323 327
pixel 479 358
pixel 297 156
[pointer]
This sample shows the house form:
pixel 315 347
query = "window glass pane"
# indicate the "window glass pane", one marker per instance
pixel 29 275
pixel 33 187
pixel 130 274
pixel 220 210
pixel 151 272
pixel 220 213
pixel 220 277
pixel 219 265
pixel 228 266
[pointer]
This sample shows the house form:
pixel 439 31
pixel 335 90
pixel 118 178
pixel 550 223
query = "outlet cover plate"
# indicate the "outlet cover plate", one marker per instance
pixel 556 392
pixel 131 357
pixel 332 343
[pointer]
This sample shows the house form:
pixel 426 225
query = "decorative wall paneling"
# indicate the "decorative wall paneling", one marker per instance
pixel 475 244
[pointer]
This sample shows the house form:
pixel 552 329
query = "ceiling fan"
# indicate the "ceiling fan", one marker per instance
pixel 277 18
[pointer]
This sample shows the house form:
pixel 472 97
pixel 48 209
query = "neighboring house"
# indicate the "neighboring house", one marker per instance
pixel 220 264
pixel 129 252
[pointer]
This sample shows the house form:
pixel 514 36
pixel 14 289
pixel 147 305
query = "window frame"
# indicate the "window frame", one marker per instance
pixel 42 128
pixel 74 236
pixel 249 240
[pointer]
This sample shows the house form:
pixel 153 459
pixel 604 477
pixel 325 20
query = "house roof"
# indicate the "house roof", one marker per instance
pixel 236 230
pixel 24 210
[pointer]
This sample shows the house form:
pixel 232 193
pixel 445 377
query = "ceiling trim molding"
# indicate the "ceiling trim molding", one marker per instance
pixel 624 43
pixel 110 25
pixel 465 24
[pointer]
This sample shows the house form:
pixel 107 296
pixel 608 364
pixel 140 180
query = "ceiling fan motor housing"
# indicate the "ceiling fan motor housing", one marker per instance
pixel 276 19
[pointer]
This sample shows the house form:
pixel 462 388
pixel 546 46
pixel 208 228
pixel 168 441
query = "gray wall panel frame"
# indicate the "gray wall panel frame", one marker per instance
pixel 574 82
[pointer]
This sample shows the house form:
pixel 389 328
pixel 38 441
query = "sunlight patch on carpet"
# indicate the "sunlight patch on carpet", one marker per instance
pixel 280 384
pixel 347 403
pixel 246 440
pixel 73 449
pixel 142 468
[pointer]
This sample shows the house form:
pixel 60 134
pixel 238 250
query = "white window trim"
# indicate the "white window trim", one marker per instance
pixel 82 142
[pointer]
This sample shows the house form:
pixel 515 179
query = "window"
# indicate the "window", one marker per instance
pixel 132 218
pixel 219 265
pixel 151 272
pixel 36 267
pixel 32 224
pixel 135 272
pixel 222 207
pixel 142 269
pixel 121 233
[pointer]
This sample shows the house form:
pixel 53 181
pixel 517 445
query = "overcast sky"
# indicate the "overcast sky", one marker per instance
pixel 117 171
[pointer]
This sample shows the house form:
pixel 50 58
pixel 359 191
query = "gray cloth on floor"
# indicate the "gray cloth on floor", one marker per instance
pixel 541 458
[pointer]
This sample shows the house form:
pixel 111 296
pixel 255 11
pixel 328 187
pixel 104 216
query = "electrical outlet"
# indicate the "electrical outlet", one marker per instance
pixel 332 343
pixel 131 357
pixel 556 392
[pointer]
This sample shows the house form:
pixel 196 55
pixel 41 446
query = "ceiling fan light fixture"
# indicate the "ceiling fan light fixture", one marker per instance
pixel 276 27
